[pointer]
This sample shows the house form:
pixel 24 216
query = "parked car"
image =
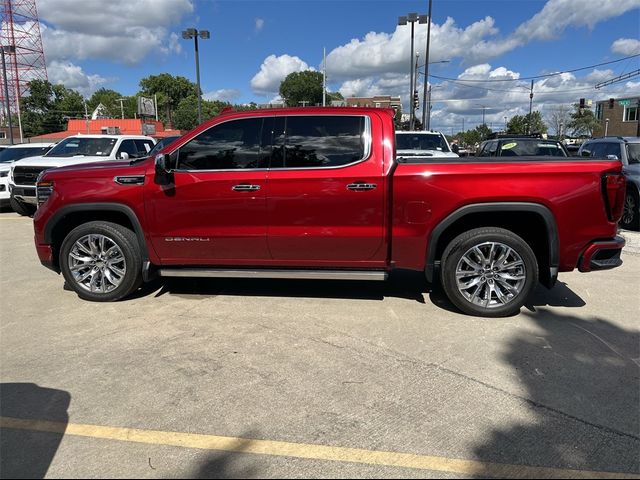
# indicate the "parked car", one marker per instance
pixel 423 144
pixel 163 142
pixel 627 150
pixel 10 154
pixel 318 193
pixel 522 146
pixel 73 150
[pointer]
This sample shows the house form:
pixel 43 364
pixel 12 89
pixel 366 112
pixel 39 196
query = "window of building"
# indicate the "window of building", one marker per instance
pixel 3 134
pixel 599 111
pixel 230 145
pixel 630 114
pixel 319 141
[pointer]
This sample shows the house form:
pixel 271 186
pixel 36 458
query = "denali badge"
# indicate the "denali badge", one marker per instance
pixel 187 239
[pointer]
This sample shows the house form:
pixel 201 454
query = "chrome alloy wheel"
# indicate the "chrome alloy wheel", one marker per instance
pixel 490 274
pixel 97 263
pixel 629 209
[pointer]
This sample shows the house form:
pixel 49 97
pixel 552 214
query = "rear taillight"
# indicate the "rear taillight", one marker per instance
pixel 613 190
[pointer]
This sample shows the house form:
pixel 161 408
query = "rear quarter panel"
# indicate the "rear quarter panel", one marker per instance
pixel 426 194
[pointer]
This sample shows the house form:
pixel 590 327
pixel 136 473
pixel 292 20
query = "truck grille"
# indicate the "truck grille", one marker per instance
pixel 26 175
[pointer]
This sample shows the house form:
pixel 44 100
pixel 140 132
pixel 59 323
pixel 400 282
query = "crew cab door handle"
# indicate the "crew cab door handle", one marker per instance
pixel 361 187
pixel 245 188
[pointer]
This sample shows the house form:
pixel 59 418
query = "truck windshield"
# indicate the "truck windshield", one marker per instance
pixel 16 153
pixel 421 141
pixel 76 146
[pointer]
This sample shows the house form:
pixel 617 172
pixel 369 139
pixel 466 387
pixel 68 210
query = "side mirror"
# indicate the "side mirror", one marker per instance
pixel 612 157
pixel 586 153
pixel 164 168
pixel 124 156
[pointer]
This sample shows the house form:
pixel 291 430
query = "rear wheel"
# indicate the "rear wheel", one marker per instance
pixel 101 261
pixel 631 214
pixel 488 272
pixel 21 208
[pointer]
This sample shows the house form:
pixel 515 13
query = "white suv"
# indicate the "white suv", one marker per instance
pixel 71 151
pixel 12 154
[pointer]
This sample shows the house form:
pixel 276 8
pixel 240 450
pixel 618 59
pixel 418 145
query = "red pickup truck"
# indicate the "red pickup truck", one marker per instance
pixel 318 193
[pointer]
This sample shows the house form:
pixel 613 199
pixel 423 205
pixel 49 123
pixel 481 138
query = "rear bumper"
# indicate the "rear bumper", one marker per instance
pixel 602 255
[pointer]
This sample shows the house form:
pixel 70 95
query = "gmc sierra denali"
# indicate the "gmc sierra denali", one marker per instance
pixel 319 193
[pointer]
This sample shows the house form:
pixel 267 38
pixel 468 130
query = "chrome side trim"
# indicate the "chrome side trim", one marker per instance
pixel 376 275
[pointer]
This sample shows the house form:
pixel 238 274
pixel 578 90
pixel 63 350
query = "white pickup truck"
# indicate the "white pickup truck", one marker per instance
pixel 73 150
pixel 422 143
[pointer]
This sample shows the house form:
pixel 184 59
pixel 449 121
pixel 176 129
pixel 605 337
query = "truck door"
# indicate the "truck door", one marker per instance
pixel 215 210
pixel 326 200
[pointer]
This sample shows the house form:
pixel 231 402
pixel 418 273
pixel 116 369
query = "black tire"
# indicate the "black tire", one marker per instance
pixel 129 248
pixel 509 297
pixel 631 215
pixel 22 208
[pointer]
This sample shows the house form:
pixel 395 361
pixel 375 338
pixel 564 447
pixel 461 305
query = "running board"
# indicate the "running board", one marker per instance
pixel 375 275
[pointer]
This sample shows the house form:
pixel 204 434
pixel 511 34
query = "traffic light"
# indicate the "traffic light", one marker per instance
pixel 581 103
pixel 611 100
pixel 416 100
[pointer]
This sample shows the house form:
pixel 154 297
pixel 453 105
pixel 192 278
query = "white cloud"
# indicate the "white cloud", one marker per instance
pixel 223 95
pixel 273 70
pixel 72 76
pixel 117 30
pixel 626 46
pixel 259 24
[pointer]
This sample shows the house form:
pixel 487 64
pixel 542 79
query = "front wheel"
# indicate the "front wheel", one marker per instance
pixel 21 208
pixel 101 261
pixel 488 272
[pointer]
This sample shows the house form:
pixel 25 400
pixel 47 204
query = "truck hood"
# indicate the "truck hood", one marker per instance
pixel 54 162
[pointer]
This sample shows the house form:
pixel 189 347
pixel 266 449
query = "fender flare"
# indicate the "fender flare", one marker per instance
pixel 544 212
pixel 67 210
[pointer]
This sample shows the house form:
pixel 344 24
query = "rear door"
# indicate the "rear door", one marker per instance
pixel 326 202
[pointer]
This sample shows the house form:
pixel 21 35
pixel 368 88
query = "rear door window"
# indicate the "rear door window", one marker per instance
pixel 319 141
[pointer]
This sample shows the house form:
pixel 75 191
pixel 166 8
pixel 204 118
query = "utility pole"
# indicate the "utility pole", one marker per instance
pixel 6 90
pixel 530 109
pixel 426 123
pixel 324 77
pixel 86 115
pixel 121 107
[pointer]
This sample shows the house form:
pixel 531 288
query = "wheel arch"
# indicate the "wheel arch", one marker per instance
pixel 515 216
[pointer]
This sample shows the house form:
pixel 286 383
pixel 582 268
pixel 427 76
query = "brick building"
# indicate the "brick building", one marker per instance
pixel 623 115
pixel 379 101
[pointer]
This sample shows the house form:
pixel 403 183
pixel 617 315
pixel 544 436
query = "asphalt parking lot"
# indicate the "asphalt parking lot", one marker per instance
pixel 262 378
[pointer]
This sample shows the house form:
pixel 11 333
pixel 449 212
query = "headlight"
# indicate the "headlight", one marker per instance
pixel 4 173
pixel 43 191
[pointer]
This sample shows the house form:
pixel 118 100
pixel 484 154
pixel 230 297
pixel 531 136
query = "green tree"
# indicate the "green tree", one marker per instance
pixel 170 90
pixel 300 87
pixel 48 107
pixel 525 124
pixel 185 116
pixel 583 121
pixel 334 97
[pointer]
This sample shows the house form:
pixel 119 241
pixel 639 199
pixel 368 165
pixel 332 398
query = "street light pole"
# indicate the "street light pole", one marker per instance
pixel 426 123
pixel 188 34
pixel 411 18
pixel 7 49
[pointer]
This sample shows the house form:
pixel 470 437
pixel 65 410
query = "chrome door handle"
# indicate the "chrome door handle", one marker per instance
pixel 360 187
pixel 246 188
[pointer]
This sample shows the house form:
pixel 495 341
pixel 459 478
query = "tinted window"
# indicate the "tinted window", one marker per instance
pixel 597 150
pixel 633 153
pixel 489 149
pixel 537 148
pixel 129 147
pixel 161 144
pixel 421 141
pixel 319 141
pixel 613 149
pixel 230 145
pixel 144 147
pixel 16 153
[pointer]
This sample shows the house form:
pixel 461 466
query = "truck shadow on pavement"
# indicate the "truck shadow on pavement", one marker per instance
pixel 582 390
pixel 25 453
pixel 232 464
pixel 403 284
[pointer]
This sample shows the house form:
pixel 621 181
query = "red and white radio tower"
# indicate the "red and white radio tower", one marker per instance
pixel 22 43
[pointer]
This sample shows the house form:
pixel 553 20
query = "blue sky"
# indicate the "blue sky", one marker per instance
pixel 254 44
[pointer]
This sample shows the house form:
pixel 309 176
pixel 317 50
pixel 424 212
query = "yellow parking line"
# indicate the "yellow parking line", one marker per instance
pixel 303 450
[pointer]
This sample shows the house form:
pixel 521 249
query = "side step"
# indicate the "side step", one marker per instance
pixel 374 275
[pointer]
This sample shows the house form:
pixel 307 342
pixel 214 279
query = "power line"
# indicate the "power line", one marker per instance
pixel 540 76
